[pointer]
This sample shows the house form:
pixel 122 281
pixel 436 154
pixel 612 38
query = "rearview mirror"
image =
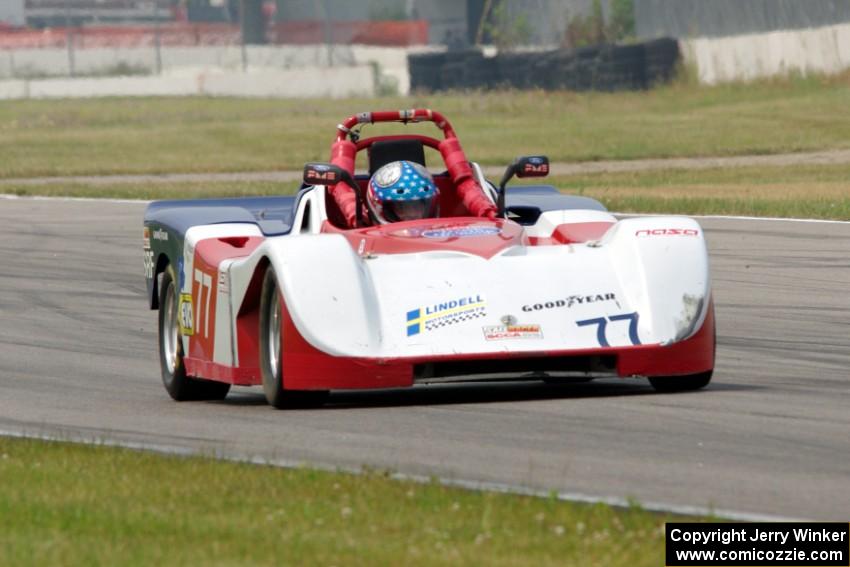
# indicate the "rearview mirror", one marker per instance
pixel 527 166
pixel 318 173
pixel 322 174
pixel 532 166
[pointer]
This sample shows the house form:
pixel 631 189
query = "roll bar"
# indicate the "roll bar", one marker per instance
pixel 403 116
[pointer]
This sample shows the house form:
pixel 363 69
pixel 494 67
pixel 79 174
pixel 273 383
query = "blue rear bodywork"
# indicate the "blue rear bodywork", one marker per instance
pixel 526 203
pixel 274 215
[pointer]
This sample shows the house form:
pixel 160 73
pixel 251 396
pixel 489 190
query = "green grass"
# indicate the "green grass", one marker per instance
pixel 155 135
pixel 151 191
pixel 812 191
pixel 67 504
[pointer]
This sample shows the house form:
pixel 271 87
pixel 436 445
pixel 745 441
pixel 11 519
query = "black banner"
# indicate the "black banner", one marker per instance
pixel 758 544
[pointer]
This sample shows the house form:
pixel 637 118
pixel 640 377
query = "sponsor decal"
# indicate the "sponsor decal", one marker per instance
pixel 460 232
pixel 186 312
pixel 570 301
pixel 667 232
pixel 508 320
pixel 536 166
pixel 223 282
pixel 318 174
pixel 512 331
pixel 148 263
pixel 146 238
pixel 441 315
pixel 160 234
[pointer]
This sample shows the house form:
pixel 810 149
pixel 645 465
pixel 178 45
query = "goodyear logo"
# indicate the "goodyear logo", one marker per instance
pixel 444 314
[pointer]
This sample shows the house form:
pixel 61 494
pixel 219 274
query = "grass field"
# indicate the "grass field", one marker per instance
pixel 821 192
pixel 155 135
pixel 66 504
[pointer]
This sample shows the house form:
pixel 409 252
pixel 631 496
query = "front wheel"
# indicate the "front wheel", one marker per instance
pixel 271 352
pixel 177 384
pixel 681 383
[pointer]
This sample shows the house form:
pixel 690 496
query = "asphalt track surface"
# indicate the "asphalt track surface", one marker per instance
pixel 770 435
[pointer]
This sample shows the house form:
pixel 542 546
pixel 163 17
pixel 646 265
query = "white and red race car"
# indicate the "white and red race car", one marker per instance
pixel 305 294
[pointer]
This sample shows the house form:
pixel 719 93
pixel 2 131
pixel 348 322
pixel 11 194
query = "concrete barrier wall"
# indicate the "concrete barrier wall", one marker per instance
pixel 746 57
pixel 340 71
pixel 391 62
pixel 335 82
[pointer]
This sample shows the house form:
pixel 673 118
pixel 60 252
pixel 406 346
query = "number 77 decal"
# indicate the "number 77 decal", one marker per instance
pixel 205 281
pixel 601 323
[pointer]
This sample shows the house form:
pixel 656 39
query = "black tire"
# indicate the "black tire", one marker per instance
pixel 681 383
pixel 177 384
pixel 690 382
pixel 566 381
pixel 271 364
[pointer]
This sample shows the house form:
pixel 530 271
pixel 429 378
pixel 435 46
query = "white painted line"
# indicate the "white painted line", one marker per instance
pixel 772 219
pixel 731 217
pixel 9 197
pixel 476 485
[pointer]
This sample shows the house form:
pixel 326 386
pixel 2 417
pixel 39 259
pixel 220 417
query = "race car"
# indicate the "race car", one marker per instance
pixel 316 292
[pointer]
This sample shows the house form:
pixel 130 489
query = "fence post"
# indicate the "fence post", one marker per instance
pixel 157 41
pixel 243 49
pixel 69 39
pixel 328 32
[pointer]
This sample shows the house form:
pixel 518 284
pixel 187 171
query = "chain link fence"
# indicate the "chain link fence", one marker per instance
pixel 716 18
pixel 111 38
pixel 196 44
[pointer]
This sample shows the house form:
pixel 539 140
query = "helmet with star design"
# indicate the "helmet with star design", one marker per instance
pixel 402 191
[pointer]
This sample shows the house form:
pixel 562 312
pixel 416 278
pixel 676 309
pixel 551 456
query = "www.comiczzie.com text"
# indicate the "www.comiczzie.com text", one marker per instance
pixel 762 544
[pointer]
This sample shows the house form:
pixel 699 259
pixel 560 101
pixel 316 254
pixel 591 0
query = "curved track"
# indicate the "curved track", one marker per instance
pixel 769 436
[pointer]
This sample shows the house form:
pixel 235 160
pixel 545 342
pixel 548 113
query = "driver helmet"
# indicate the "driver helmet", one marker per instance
pixel 402 191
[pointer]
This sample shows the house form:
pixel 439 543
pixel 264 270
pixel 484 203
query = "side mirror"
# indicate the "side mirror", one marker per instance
pixel 317 173
pixel 532 166
pixel 322 174
pixel 527 166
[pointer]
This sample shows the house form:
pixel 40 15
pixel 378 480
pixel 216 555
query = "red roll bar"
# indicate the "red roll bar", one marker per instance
pixel 403 116
pixel 344 152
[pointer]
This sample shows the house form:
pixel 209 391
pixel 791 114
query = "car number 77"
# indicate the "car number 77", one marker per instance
pixel 205 281
pixel 602 323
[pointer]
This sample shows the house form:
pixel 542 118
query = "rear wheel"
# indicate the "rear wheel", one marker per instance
pixel 177 384
pixel 271 352
pixel 681 383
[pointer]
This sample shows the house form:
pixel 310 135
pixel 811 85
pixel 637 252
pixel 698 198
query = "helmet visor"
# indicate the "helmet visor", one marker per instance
pixel 395 211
